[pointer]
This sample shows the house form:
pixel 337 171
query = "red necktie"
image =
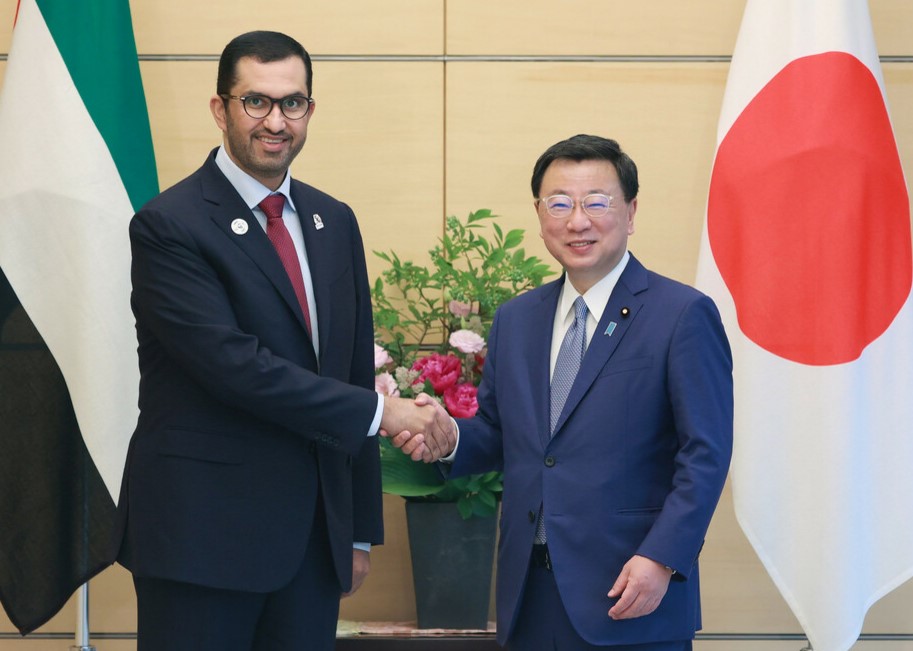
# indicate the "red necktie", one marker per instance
pixel 278 235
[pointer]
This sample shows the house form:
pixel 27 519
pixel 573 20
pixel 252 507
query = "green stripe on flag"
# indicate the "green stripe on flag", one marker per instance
pixel 95 40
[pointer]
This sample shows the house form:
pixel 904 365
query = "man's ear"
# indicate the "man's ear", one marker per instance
pixel 217 107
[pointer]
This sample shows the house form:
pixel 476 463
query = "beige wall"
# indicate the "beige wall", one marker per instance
pixel 420 114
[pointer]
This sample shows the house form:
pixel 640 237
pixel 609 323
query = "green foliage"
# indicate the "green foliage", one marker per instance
pixel 475 267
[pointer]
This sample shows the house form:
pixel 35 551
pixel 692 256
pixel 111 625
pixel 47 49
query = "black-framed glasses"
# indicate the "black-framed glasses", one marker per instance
pixel 594 205
pixel 294 107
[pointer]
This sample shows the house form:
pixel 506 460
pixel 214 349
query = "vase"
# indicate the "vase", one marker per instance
pixel 452 562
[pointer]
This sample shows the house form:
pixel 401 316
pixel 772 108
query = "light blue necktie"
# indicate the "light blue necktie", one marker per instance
pixel 567 364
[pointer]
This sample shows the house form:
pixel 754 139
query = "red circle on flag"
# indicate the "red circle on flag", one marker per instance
pixel 808 215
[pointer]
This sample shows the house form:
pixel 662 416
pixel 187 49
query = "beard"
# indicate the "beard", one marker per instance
pixel 249 155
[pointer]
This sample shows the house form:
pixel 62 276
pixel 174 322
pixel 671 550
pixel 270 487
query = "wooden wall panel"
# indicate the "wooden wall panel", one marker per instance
pixel 7 12
pixel 619 28
pixel 377 143
pixel 323 26
pixel 502 116
pixel 581 27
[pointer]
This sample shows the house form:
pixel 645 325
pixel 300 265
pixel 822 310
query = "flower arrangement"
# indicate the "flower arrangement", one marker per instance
pixel 431 324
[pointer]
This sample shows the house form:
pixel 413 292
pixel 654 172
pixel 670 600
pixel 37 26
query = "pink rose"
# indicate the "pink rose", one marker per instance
pixel 381 357
pixel 459 309
pixel 442 371
pixel 385 385
pixel 460 400
pixel 467 341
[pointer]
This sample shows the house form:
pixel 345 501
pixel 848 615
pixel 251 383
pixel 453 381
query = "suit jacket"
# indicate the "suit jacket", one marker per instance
pixel 638 459
pixel 241 431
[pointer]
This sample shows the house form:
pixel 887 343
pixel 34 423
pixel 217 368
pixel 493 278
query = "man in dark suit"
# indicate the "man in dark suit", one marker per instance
pixel 607 401
pixel 254 467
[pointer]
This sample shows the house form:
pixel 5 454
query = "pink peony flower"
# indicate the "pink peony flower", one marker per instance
pixel 385 385
pixel 442 371
pixel 459 309
pixel 467 341
pixel 460 400
pixel 381 357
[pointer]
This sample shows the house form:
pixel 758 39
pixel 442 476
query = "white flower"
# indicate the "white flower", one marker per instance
pixel 385 385
pixel 405 377
pixel 467 341
pixel 381 357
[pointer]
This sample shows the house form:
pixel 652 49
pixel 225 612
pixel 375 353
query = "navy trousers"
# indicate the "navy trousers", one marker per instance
pixel 543 624
pixel 301 615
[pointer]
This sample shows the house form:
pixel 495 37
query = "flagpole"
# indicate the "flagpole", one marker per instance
pixel 82 620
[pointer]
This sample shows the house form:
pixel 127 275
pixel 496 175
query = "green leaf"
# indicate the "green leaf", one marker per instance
pixel 513 238
pixel 464 505
pixel 402 476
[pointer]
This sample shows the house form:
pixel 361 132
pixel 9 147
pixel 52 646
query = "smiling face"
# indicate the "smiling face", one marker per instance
pixel 265 147
pixel 587 247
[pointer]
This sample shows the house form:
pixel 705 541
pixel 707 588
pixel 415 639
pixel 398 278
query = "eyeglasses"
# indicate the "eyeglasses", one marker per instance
pixel 294 107
pixel 560 206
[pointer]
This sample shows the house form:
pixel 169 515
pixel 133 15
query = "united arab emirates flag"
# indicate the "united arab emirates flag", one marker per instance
pixel 76 162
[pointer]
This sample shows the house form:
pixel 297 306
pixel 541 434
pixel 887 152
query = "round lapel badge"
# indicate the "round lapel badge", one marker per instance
pixel 239 227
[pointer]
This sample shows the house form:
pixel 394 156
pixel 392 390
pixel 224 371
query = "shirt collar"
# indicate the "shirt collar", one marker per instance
pixel 250 189
pixel 596 297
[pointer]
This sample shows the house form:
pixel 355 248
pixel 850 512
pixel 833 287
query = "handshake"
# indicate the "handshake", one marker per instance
pixel 421 428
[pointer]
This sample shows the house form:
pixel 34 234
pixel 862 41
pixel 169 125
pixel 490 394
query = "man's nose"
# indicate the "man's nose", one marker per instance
pixel 275 119
pixel 578 220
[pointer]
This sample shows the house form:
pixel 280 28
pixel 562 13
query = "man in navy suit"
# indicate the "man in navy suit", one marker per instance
pixel 609 489
pixel 251 493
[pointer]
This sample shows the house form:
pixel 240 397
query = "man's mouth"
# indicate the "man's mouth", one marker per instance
pixel 271 140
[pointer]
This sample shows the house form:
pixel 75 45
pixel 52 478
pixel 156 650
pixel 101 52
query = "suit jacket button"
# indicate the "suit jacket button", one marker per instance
pixel 549 461
pixel 532 516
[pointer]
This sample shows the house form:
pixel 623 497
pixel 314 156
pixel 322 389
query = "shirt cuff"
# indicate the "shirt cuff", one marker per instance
pixel 365 547
pixel 450 457
pixel 378 414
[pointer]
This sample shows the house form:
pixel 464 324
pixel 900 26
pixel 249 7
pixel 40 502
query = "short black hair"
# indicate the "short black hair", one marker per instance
pixel 584 147
pixel 263 46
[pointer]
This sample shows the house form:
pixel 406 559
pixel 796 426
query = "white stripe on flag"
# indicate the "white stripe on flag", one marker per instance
pixel 64 214
pixel 821 466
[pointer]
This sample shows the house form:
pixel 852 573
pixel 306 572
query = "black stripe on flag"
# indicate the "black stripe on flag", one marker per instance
pixel 56 516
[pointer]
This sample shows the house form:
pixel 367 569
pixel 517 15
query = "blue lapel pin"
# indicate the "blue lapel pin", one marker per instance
pixel 610 328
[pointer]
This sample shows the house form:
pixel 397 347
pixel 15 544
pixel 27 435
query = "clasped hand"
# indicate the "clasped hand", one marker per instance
pixel 421 428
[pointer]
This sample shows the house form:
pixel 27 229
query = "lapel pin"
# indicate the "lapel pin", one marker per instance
pixel 239 227
pixel 318 222
pixel 611 328
pixel 625 312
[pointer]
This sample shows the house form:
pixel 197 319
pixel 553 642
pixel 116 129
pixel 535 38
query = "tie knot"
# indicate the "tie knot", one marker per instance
pixel 272 206
pixel 580 310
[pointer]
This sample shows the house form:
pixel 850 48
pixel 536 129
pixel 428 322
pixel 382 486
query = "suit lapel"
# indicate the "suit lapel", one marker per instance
pixel 232 216
pixel 618 317
pixel 319 254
